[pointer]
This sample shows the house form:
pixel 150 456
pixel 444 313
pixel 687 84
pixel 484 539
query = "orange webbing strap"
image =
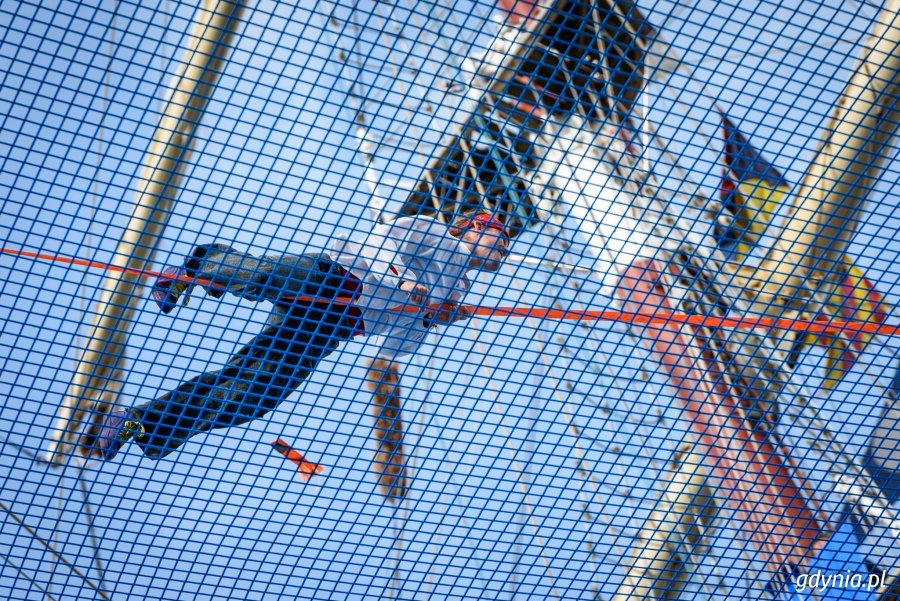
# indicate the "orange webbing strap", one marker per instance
pixel 817 326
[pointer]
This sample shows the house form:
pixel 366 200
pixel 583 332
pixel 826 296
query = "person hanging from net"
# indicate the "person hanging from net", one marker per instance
pixel 320 300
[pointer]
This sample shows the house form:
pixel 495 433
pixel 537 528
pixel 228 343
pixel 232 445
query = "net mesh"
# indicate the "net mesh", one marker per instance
pixel 674 160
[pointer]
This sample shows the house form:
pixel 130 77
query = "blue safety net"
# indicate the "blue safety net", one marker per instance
pixel 643 253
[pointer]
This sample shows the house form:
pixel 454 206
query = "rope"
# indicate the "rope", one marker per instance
pixel 818 326
pixel 52 550
pixel 86 509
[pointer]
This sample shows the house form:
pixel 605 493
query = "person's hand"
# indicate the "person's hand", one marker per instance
pixel 447 313
pixel 418 293
pixel 462 312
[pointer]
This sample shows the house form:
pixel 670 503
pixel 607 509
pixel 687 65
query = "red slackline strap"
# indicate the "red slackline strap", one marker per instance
pixel 818 326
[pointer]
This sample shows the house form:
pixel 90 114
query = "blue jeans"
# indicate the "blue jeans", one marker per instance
pixel 297 335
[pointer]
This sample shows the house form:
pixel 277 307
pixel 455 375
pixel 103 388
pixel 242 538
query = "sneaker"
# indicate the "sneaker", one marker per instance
pixel 169 287
pixel 116 430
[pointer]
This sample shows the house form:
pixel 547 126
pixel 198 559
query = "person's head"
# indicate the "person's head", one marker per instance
pixel 485 237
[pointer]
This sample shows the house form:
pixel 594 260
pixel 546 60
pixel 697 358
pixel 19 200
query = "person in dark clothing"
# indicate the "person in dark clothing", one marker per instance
pixel 403 279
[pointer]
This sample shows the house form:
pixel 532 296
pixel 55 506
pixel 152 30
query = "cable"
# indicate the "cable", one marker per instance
pixel 55 553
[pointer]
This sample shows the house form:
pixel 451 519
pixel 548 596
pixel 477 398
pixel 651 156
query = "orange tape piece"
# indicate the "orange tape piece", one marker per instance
pixel 306 469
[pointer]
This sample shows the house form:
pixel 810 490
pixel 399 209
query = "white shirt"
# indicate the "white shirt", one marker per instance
pixel 414 249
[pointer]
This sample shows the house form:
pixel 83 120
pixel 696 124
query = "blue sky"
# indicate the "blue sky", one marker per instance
pixel 497 502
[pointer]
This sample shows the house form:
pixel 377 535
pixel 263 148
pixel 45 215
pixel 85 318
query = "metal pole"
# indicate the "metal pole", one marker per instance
pixel 97 379
pixel 675 530
pixel 853 150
